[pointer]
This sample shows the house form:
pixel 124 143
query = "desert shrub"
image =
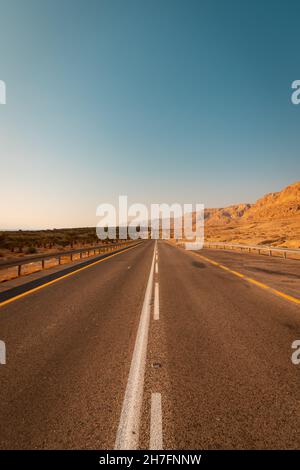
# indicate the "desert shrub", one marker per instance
pixel 30 250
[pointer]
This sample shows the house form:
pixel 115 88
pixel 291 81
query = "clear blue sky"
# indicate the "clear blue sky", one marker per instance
pixel 162 100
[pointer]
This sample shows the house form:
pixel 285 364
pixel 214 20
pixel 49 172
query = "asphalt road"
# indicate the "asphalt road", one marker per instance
pixel 155 351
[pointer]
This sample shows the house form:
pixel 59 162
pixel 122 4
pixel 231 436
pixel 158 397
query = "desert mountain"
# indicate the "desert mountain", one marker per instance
pixel 279 205
pixel 225 215
pixel 285 203
pixel 273 220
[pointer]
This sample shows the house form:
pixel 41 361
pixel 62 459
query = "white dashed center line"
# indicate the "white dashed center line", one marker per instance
pixel 128 430
pixel 156 439
pixel 156 302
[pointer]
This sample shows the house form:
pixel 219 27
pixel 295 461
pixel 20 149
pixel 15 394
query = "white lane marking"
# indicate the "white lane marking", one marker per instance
pixel 156 302
pixel 156 435
pixel 156 267
pixel 128 430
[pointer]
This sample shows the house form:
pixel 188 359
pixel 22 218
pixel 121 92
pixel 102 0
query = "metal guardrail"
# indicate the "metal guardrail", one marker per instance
pixel 260 249
pixel 41 258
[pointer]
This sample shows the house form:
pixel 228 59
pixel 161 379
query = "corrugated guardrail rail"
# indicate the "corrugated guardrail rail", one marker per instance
pixel 260 249
pixel 41 258
pixel 287 253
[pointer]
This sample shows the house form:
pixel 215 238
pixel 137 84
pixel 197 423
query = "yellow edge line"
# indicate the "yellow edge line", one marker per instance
pixel 12 299
pixel 253 281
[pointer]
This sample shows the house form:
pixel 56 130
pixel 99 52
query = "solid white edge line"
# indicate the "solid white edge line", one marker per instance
pixel 156 435
pixel 156 302
pixel 128 430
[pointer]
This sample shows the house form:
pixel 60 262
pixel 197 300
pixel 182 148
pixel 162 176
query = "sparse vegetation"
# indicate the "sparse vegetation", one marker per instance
pixel 25 242
pixel 30 250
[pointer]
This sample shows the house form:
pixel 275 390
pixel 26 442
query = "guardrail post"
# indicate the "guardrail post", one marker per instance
pixel 43 264
pixel 19 270
pixel 260 249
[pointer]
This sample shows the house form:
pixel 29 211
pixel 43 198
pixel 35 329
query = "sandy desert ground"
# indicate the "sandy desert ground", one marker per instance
pixel 273 220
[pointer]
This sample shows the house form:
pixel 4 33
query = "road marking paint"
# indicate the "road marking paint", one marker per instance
pixel 215 263
pixel 156 302
pixel 49 283
pixel 224 267
pixel 253 281
pixel 286 296
pixel 236 273
pixel 156 267
pixel 230 270
pixel 257 283
pixel 156 435
pixel 128 430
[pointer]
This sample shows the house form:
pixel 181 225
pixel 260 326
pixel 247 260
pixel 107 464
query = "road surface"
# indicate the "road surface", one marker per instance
pixel 155 347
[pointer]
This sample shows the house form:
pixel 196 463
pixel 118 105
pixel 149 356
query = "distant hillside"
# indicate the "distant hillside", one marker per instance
pixel 225 215
pixel 273 219
pixel 285 203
